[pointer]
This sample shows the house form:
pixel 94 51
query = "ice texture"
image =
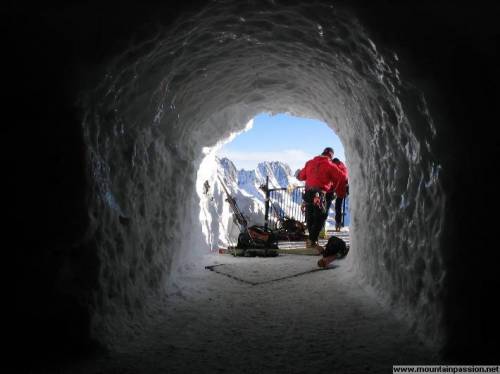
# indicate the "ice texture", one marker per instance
pixel 164 103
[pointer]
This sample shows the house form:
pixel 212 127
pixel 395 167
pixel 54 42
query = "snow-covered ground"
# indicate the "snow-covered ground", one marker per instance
pixel 296 319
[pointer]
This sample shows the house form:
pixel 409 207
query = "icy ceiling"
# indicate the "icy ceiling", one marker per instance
pixel 191 85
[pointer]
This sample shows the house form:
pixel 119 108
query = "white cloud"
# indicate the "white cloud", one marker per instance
pixel 295 158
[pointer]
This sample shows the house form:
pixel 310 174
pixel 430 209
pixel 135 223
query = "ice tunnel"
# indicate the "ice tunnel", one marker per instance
pixel 164 100
pixel 151 106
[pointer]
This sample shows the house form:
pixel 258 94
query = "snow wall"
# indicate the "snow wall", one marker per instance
pixel 164 100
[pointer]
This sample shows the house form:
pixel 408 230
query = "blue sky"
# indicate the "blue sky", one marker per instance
pixel 284 138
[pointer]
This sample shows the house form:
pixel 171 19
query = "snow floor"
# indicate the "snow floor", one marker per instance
pixel 267 315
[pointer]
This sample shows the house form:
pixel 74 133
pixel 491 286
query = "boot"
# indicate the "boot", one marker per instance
pixel 325 261
pixel 318 248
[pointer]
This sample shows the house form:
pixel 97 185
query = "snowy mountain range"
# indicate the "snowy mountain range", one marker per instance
pixel 244 186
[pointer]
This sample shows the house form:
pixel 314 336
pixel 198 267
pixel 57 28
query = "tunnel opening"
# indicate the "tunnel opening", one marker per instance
pixel 162 102
pixel 275 147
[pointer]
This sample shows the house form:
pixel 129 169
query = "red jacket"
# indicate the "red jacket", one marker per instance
pixel 341 187
pixel 322 173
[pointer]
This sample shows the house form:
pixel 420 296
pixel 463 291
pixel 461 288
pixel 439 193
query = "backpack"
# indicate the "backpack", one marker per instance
pixel 290 229
pixel 336 246
pixel 257 237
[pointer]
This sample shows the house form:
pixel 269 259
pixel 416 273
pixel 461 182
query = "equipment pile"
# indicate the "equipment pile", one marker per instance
pixel 254 240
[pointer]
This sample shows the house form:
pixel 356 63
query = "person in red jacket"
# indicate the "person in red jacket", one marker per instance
pixel 320 174
pixel 341 190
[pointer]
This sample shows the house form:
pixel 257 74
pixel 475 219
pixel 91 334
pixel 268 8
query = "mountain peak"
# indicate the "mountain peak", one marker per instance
pixel 278 173
pixel 228 169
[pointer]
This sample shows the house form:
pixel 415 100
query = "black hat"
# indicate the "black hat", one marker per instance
pixel 327 150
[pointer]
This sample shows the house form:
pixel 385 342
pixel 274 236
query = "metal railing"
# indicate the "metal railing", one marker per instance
pixel 282 203
pixel 286 203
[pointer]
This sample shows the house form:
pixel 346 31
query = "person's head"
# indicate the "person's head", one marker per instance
pixel 328 151
pixel 336 160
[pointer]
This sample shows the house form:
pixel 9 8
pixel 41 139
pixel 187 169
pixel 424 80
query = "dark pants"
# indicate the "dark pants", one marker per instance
pixel 315 215
pixel 338 211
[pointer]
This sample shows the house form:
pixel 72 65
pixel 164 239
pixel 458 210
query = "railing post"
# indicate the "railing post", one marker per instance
pixel 266 214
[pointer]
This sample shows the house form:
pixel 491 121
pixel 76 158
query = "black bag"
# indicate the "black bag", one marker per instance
pixel 336 246
pixel 290 229
pixel 291 225
pixel 257 237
